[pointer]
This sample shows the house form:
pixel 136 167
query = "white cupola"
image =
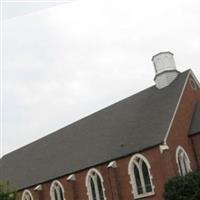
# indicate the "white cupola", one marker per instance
pixel 165 68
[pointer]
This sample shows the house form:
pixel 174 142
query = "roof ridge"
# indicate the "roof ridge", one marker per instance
pixel 89 115
pixel 145 114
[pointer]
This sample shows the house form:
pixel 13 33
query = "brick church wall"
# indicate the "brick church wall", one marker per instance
pixel 180 128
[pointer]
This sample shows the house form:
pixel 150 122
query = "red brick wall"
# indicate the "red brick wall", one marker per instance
pixel 196 147
pixel 179 131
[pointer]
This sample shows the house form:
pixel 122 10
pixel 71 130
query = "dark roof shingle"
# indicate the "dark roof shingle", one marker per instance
pixel 131 125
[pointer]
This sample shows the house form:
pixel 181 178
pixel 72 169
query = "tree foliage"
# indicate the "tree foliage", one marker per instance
pixel 7 191
pixel 183 187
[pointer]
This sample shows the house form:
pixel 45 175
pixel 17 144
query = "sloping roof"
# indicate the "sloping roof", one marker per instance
pixel 129 126
pixel 195 125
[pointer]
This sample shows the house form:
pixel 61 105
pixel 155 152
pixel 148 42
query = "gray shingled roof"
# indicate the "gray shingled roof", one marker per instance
pixel 131 125
pixel 195 125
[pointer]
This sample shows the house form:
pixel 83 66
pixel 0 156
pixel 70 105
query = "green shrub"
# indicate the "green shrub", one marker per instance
pixel 183 187
pixel 7 191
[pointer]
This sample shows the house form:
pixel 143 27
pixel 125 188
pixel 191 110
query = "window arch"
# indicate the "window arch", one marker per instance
pixel 182 161
pixel 27 195
pixel 94 184
pixel 57 191
pixel 141 179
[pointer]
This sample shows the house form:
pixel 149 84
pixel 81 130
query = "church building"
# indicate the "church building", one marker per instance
pixel 126 151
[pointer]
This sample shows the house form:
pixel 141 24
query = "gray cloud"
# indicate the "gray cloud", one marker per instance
pixel 15 8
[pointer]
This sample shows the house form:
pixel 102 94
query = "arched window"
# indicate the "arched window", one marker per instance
pixel 94 184
pixel 27 195
pixel 57 191
pixel 183 161
pixel 141 179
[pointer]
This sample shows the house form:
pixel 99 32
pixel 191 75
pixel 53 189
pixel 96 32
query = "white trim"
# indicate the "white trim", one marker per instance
pixel 52 187
pixel 177 106
pixel 178 149
pixel 112 164
pixel 163 148
pixel 71 177
pixel 38 188
pixel 27 192
pixel 87 183
pixel 132 178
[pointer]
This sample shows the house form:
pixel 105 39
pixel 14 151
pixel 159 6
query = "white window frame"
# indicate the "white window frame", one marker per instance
pixel 133 162
pixel 193 84
pixel 25 192
pixel 87 183
pixel 181 150
pixel 52 189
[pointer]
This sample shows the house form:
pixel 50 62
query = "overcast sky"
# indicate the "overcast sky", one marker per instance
pixel 63 61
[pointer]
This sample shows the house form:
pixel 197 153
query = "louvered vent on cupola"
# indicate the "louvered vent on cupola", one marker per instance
pixel 165 68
